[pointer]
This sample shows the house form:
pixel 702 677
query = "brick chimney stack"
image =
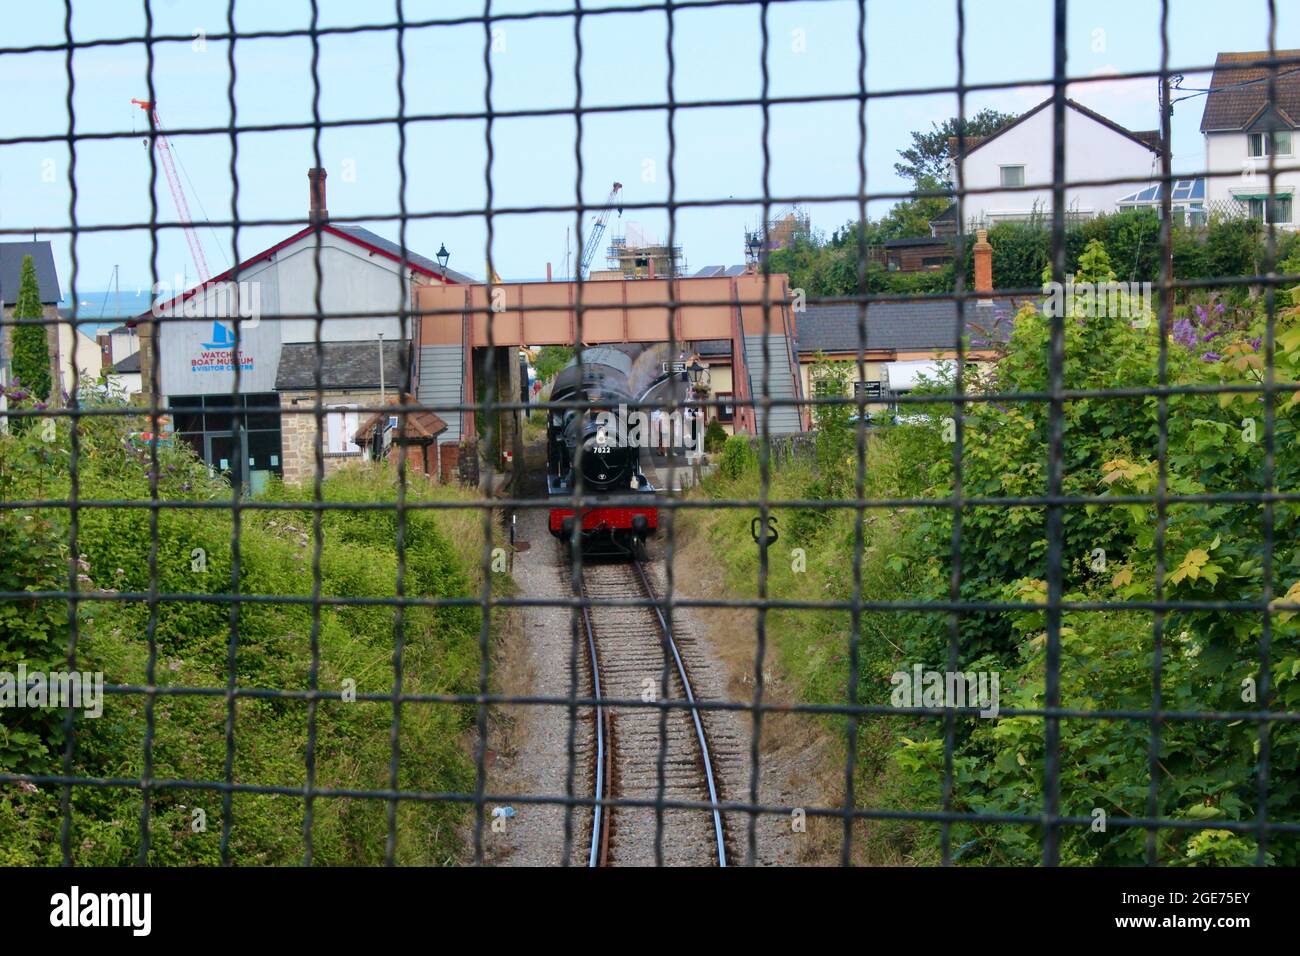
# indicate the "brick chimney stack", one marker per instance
pixel 318 212
pixel 983 263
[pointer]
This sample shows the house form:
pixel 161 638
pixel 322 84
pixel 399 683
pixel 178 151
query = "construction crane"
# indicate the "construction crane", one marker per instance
pixel 598 230
pixel 178 194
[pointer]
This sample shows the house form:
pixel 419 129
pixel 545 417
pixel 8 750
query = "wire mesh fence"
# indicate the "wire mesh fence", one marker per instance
pixel 89 478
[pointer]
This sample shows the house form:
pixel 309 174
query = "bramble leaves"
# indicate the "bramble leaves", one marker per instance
pixel 1211 550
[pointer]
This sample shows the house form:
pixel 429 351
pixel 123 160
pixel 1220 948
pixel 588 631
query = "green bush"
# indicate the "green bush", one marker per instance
pixel 715 436
pixel 1289 293
pixel 738 457
pixel 550 359
pixel 33 633
pixel 31 351
pixel 807 523
pixel 1213 555
pixel 1225 246
pixel 282 646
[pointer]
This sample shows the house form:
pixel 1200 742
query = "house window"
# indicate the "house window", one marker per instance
pixel 726 411
pixel 1264 144
pixel 1013 175
pixel 1278 210
pixel 342 422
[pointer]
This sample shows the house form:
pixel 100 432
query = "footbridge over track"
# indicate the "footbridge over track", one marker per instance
pixel 455 321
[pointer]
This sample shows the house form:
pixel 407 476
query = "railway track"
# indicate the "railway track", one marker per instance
pixel 626 649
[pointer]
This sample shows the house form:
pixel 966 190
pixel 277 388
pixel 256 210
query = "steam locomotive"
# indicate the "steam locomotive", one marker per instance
pixel 579 439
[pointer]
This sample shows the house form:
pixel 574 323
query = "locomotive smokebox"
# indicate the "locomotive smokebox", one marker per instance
pixel 584 449
pixel 606 465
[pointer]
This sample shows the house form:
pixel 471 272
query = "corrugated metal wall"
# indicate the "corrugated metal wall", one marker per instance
pixel 441 378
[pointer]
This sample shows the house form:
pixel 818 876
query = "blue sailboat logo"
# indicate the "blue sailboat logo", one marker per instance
pixel 222 337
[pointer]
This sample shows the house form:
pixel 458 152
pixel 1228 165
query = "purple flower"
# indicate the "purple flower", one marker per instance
pixel 1211 357
pixel 1218 308
pixel 1184 334
pixel 1255 343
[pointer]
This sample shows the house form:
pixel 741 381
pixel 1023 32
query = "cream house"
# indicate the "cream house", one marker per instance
pixel 1247 132
pixel 1011 170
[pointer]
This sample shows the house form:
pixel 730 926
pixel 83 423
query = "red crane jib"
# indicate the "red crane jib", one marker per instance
pixel 178 195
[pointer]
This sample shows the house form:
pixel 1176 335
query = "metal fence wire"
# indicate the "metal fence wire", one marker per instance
pixel 742 803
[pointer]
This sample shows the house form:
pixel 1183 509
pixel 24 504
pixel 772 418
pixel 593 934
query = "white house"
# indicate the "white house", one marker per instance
pixel 122 342
pixel 1243 128
pixel 79 355
pixel 124 377
pixel 1020 155
pixel 362 354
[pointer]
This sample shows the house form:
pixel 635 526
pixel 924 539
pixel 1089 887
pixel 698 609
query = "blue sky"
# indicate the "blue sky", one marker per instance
pixel 813 50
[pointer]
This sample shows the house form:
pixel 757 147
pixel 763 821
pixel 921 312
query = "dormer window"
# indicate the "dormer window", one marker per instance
pixel 1269 144
pixel 1013 175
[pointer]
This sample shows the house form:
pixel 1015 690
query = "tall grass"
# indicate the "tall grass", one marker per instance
pixel 813 561
pixel 275 646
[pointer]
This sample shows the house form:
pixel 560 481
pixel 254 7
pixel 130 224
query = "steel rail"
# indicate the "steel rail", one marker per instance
pixel 598 855
pixel 695 711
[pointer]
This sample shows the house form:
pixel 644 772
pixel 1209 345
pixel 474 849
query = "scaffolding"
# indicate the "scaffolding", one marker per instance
pixel 631 256
pixel 781 232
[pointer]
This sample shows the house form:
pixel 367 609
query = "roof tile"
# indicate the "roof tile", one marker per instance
pixel 1236 106
pixel 11 270
pixel 918 325
pixel 343 365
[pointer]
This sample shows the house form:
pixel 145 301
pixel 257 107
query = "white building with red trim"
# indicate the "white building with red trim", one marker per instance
pixel 341 286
